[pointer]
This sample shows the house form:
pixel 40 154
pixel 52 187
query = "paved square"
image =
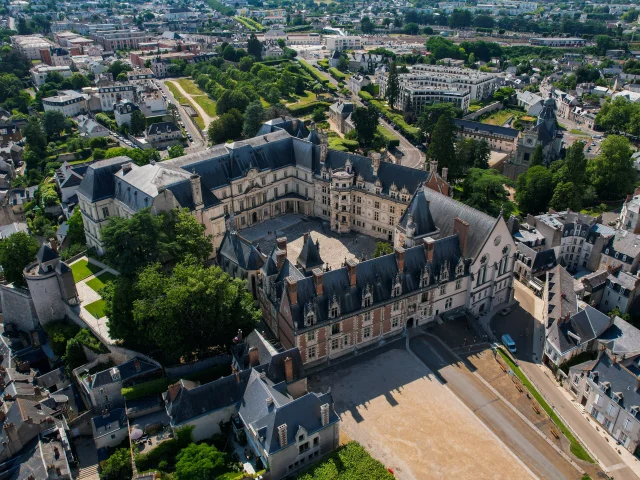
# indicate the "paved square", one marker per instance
pixel 334 248
pixel 397 409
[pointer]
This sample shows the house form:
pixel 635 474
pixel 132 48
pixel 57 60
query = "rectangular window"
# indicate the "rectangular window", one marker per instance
pixel 395 307
pixel 334 344
pixel 376 204
pixel 392 209
pixel 394 322
pixel 335 329
pixel 392 221
pixel 458 284
pixel 627 424
pixel 376 216
pixel 610 408
pixel 367 316
pixel 448 303
pixel 443 289
pixel 311 352
pixel 366 332
pixel 311 335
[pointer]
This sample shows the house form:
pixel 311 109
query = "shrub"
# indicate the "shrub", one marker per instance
pixel 117 466
pixel 159 385
pixel 59 334
pixel 166 452
pixel 86 338
pixel 349 461
pixel 308 108
pixel 365 95
pixel 337 74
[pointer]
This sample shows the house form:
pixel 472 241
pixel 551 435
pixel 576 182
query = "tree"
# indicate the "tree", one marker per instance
pixel 473 153
pixel 76 228
pixel 343 64
pixel 382 248
pixel 484 190
pixel 231 99
pixel 442 150
pixel 36 138
pixel 460 18
pixel 576 164
pixel 226 127
pixel 538 157
pixel 484 21
pixel 253 118
pixel 118 67
pixel 199 461
pixel 229 53
pixel 366 25
pixel 565 195
pixel 411 29
pixel 366 121
pixel 534 190
pixel 245 64
pixel 612 173
pixel 53 123
pixel 176 151
pixel 16 252
pixel 192 309
pixel 432 113
pixel 117 466
pixel 254 46
pixel 319 115
pixel 393 85
pixel 138 122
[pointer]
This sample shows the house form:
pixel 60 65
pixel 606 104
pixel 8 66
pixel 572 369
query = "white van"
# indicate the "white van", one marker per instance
pixel 508 342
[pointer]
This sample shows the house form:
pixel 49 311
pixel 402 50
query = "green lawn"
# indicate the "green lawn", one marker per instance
pixel 82 269
pixel 98 282
pixel 575 131
pixel 498 118
pixel 207 104
pixel 96 308
pixel 190 87
pixel 306 99
pixel 184 101
pixel 576 448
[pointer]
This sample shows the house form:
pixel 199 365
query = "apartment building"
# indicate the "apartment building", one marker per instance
pixel 558 42
pixel 339 42
pixel 120 39
pixel 499 138
pixel 68 102
pixel 31 45
pixel 416 97
pixel 113 94
pixel 39 73
pixel 630 213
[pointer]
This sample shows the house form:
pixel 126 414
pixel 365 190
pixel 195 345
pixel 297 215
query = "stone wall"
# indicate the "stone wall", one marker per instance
pixel 18 308
pixel 478 113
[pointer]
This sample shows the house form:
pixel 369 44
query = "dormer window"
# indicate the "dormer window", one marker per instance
pixel 425 277
pixel 460 268
pixel 309 315
pixel 617 396
pixel 605 386
pixel 367 297
pixel 397 287
pixel 444 272
pixel 334 307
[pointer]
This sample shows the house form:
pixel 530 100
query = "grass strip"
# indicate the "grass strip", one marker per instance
pixel 184 100
pixel 82 269
pixel 576 448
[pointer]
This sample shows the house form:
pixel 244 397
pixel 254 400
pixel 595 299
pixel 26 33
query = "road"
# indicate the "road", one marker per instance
pixel 199 142
pixel 524 318
pixel 527 444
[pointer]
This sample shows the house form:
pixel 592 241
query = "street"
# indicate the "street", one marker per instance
pixel 523 320
pixel 199 142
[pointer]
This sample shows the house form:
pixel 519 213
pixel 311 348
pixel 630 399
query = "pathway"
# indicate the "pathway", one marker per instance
pixel 206 118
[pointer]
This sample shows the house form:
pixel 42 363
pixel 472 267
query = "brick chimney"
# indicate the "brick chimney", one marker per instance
pixel 317 280
pixel 429 244
pixel 351 268
pixel 288 369
pixel 282 244
pixel 137 366
pixel 399 252
pixel 282 435
pixel 305 236
pixel 324 414
pixel 196 191
pixel 280 257
pixel 462 229
pixel 292 288
pixel 253 357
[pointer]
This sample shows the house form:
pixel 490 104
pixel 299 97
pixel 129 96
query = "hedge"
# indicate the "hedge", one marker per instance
pixel 392 140
pixel 159 385
pixel 348 461
pixel 337 74
pixel 365 95
pixel 314 72
pixel 308 108
pixel 407 130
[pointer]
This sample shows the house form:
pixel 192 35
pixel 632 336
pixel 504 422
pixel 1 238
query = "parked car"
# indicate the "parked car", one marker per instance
pixel 508 342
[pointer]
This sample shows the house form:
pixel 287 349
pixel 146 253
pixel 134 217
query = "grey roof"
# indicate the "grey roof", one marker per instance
pixel 309 257
pixel 418 215
pixel 344 108
pixel 621 338
pixel 623 280
pixel 8 230
pixel 240 251
pixel 162 127
pixel 99 181
pixel 46 254
pixel 378 276
pixel 293 126
pixel 484 127
pixel 539 260
pixel 561 299
pixel 587 324
pixel 621 379
pixel 110 422
pixel 624 243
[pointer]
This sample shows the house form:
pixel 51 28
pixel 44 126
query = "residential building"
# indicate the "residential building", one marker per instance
pixel 140 76
pixel 112 94
pixel 531 102
pixel 152 104
pixel 343 42
pixel 68 178
pixel 110 428
pixel 621 290
pixel 123 111
pixel 340 115
pixel 56 57
pixel 286 426
pixel 68 102
pixel 415 97
pixel 630 213
pixel 31 46
pixel 621 250
pixel 88 127
pixel 240 259
pixel 39 73
pixel 120 39
pixel 499 138
pixel 162 134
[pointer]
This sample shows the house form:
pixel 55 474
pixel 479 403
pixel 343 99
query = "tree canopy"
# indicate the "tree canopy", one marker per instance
pixel 612 173
pixel 199 461
pixel 442 150
pixel 366 121
pixel 16 252
pixel 534 190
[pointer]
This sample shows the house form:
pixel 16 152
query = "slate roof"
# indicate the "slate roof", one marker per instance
pixel 112 421
pixel 379 275
pixel 418 216
pixel 162 127
pixel 624 243
pixel 240 251
pixel 587 324
pixel 561 300
pixel 293 126
pixel 484 127
pixel 538 260
pixel 621 338
pixel 46 254
pixel 309 257
pixel 99 180
pixel 620 378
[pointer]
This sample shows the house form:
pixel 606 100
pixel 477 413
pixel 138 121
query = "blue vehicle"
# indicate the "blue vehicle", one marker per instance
pixel 508 342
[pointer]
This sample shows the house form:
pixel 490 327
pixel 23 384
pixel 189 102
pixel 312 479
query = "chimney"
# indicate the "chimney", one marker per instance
pixel 53 244
pixel 462 229
pixel 288 369
pixel 324 414
pixel 196 190
pixel 317 280
pixel 306 236
pixel 280 257
pixel 375 162
pixel 399 251
pixel 36 390
pixel 126 168
pixel 429 244
pixel 282 435
pixel 445 172
pixel 351 268
pixel 137 366
pixel 282 244
pixel 253 357
pixel 292 288
pixel 433 167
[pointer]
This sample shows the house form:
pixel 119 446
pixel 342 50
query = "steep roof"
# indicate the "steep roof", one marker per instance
pixel 46 254
pixel 99 180
pixel 587 324
pixel 418 215
pixel 309 257
pixel 241 252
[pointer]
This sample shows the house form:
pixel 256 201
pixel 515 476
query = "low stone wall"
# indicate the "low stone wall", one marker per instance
pixel 489 108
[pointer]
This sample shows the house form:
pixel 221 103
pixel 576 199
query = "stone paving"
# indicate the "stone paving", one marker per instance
pixel 334 248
